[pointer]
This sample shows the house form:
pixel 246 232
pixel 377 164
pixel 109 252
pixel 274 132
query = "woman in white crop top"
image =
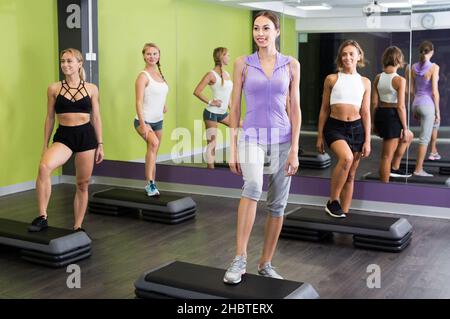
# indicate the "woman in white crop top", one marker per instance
pixel 151 92
pixel 388 100
pixel 344 124
pixel 216 110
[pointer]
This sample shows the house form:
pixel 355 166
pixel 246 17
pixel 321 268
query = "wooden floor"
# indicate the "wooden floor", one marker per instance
pixel 125 247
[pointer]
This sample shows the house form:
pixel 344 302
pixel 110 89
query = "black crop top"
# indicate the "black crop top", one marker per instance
pixel 70 104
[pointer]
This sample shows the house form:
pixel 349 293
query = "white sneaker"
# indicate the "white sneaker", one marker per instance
pixel 235 271
pixel 434 157
pixel 423 174
pixel 267 270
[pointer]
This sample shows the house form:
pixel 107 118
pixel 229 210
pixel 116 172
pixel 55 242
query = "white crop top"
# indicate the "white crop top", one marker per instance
pixel 220 92
pixel 154 99
pixel 385 90
pixel 348 89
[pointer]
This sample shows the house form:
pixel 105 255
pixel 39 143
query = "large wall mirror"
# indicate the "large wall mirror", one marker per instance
pixel 312 31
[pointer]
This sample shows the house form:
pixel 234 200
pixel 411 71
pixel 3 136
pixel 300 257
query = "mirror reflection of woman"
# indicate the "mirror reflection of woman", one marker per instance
pixel 388 99
pixel 216 110
pixel 270 82
pixel 425 106
pixel 344 124
pixel 76 106
pixel 151 93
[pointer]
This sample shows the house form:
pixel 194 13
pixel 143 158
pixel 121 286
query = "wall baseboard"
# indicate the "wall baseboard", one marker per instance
pixel 22 187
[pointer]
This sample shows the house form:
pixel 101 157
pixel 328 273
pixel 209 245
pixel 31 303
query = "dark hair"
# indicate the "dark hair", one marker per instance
pixel 218 53
pixel 392 56
pixel 152 45
pixel 361 63
pixel 272 16
pixel 425 48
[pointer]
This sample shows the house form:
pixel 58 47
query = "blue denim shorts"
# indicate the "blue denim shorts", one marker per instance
pixel 209 116
pixel 157 126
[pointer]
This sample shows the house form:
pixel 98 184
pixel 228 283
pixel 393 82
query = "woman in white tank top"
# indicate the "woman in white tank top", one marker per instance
pixel 388 100
pixel 151 92
pixel 216 110
pixel 344 123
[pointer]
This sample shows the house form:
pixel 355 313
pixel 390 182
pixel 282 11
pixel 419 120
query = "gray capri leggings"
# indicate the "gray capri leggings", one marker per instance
pixel 427 115
pixel 251 158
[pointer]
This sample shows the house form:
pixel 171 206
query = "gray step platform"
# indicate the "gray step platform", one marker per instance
pixel 314 160
pixel 436 179
pixel 167 209
pixel 189 281
pixel 426 163
pixel 53 247
pixel 374 232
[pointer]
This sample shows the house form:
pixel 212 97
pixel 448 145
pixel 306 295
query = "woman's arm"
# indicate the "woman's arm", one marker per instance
pixel 295 117
pixel 324 112
pixel 208 79
pixel 96 122
pixel 235 112
pixel 141 83
pixel 435 90
pixel 365 117
pixel 375 97
pixel 50 117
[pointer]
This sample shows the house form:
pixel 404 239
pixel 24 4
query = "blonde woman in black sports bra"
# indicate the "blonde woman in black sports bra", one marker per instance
pixel 75 104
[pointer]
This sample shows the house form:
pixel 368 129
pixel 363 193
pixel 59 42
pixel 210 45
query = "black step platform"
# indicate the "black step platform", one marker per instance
pixel 166 209
pixel 314 160
pixel 436 179
pixel 373 232
pixel 52 247
pixel 189 281
pixel 444 170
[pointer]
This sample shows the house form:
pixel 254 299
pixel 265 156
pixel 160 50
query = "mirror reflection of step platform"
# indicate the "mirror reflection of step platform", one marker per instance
pixel 442 165
pixel 165 208
pixel 183 280
pixel 314 160
pixel 52 247
pixel 369 231
pixel 440 180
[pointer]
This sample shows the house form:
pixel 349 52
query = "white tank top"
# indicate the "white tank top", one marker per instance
pixel 154 99
pixel 385 90
pixel 220 92
pixel 348 89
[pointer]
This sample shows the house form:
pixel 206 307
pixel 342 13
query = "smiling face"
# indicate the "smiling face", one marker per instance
pixel 264 32
pixel 70 64
pixel 350 57
pixel 151 56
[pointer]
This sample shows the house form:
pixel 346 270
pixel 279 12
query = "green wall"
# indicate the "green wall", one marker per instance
pixel 289 43
pixel 29 56
pixel 186 31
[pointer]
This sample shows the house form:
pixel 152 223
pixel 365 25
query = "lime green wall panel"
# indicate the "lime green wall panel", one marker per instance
pixel 29 56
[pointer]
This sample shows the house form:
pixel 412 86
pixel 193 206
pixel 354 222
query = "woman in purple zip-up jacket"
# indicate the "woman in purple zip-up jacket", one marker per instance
pixel 271 130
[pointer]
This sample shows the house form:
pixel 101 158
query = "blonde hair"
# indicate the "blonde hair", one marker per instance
pixel 77 55
pixel 153 45
pixel 361 63
pixel 218 53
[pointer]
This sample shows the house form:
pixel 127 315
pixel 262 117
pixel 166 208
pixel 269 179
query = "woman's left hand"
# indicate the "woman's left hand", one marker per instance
pixel 99 155
pixel 165 109
pixel 291 166
pixel 366 149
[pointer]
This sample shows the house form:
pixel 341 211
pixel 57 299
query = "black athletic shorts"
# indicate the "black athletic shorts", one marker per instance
pixel 78 138
pixel 387 122
pixel 351 132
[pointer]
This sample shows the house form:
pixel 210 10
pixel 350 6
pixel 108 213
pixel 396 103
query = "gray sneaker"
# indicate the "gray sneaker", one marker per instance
pixel 235 271
pixel 267 270
pixel 423 174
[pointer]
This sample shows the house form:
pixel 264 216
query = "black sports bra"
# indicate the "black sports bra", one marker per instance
pixel 72 105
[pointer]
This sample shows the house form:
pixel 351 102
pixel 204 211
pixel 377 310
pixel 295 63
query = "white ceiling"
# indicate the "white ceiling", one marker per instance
pixel 339 7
